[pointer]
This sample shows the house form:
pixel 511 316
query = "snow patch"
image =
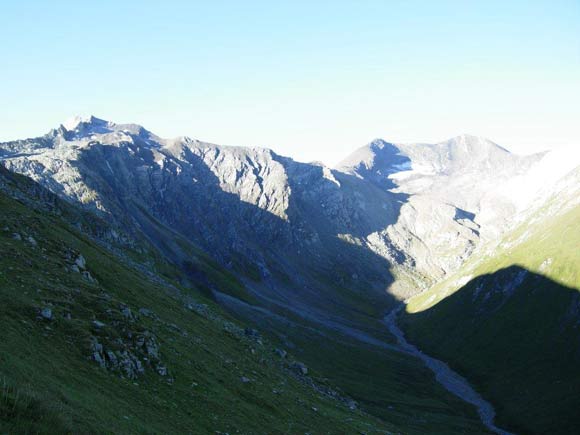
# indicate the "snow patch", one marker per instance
pixel 72 123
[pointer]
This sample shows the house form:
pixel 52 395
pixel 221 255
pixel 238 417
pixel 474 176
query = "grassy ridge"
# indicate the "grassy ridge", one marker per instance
pixel 510 323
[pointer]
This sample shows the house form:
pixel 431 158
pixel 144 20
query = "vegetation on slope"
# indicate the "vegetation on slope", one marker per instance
pixel 203 374
pixel 510 323
pixel 99 336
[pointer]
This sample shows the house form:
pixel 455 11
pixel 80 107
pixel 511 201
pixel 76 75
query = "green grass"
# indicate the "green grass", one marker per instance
pixel 54 387
pixel 388 384
pixel 24 411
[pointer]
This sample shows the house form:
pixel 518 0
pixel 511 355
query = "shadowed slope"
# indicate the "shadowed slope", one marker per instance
pixel 516 335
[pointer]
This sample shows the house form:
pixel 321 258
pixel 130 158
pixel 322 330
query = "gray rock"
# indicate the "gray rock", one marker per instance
pixel 245 380
pixel 88 277
pixel 112 358
pixel 16 236
pixel 46 313
pixel 281 353
pixel 99 359
pixel 31 240
pixel 152 348
pixel 145 312
pixel 127 313
pixel 252 333
pixel 299 368
pixel 95 345
pixel 81 262
pixel 98 324
pixel 387 207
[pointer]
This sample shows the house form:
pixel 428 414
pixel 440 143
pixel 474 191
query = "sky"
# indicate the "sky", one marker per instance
pixel 313 80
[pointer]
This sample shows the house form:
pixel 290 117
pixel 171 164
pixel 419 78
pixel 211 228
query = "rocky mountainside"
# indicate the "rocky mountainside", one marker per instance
pixel 455 197
pixel 379 218
pixel 99 335
pixel 289 229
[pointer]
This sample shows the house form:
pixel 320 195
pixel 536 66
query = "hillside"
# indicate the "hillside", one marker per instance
pixel 509 320
pixel 98 336
pixel 305 257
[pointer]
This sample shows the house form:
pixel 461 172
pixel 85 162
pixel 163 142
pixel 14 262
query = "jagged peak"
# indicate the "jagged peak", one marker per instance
pixel 74 122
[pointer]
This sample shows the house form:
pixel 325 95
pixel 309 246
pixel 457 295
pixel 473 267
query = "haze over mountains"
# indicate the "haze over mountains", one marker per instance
pixel 331 248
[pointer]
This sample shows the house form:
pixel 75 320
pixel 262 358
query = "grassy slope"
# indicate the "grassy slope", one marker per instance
pixel 50 385
pixel 522 351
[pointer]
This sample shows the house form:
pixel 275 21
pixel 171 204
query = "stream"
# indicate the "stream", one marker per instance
pixel 451 381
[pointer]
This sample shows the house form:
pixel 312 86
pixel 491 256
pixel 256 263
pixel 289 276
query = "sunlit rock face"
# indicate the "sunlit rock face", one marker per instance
pixel 454 197
pixel 390 217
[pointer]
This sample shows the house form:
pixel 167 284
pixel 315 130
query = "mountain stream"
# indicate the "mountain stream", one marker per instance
pixel 450 380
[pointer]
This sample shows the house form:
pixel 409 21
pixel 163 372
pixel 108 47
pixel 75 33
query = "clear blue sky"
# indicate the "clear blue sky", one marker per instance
pixel 312 79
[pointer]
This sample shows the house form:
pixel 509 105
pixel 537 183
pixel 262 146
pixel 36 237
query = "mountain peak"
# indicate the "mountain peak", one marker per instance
pixel 469 141
pixel 74 122
pixel 85 127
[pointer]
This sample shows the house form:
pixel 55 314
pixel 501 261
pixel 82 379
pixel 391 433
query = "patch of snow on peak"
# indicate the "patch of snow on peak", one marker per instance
pixel 73 122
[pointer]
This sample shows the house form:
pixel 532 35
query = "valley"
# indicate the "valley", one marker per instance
pixel 249 255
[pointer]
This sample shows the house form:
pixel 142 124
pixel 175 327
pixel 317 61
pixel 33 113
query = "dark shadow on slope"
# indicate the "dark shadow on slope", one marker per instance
pixel 515 335
pixel 463 214
pixel 387 160
pixel 300 262
pixel 350 205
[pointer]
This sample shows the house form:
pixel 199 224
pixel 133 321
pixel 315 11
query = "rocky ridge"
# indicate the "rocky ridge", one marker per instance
pixel 388 207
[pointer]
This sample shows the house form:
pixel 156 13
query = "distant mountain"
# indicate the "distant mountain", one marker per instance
pixel 454 196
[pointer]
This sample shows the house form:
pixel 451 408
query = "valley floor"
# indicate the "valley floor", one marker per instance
pixel 450 380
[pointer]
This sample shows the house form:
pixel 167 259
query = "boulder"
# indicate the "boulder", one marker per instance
pixel 46 313
pixel 98 324
pixel 87 275
pixel 250 332
pixel 281 353
pixel 299 368
pixel 81 262
pixel 126 312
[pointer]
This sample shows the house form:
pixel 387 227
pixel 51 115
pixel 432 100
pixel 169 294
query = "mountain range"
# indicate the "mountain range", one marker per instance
pixel 463 231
